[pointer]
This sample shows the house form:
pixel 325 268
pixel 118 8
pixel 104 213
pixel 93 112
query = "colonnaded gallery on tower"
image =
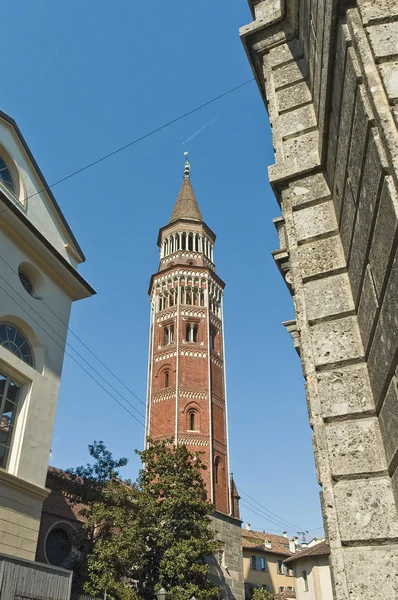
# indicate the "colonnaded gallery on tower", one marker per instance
pixel 186 396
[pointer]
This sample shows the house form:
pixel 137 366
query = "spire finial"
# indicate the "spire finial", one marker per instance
pixel 187 167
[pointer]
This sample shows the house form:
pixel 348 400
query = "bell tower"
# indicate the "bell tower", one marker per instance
pixel 186 397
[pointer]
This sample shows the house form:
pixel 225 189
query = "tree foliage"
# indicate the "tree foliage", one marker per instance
pixel 262 594
pixel 155 532
pixel 108 511
pixel 172 524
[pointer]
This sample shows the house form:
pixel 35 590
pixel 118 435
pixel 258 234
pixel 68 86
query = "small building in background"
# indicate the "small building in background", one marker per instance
pixel 312 572
pixel 264 556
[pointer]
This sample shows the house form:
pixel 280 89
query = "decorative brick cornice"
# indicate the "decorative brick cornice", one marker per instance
pixel 218 401
pixel 192 394
pixel 193 312
pixel 165 395
pixel 193 441
pixel 216 361
pixel 215 321
pixel 163 316
pixel 193 354
pixel 165 355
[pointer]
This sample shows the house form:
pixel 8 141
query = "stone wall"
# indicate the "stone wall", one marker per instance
pixel 328 73
pixel 226 571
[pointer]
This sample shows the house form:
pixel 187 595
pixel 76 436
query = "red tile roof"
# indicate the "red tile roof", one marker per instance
pixel 320 549
pixel 256 539
pixel 285 594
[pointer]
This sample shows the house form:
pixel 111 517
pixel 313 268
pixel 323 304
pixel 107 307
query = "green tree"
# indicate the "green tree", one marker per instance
pixel 262 594
pixel 172 524
pixel 108 511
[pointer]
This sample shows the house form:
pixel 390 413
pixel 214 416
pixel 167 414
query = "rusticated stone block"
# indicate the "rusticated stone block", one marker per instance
pixel 336 341
pixel 293 96
pixel 384 39
pixel 374 10
pixel 389 420
pixel 285 52
pixel 367 309
pixel 352 75
pixel 297 121
pixel 331 147
pixel 308 189
pixel 358 139
pixel 348 211
pixel 315 220
pixel 389 73
pixel 372 572
pixel 372 174
pixel 366 509
pixel 384 232
pixel 268 11
pixel 321 256
pixel 385 339
pixel 328 296
pixel 355 447
pixel 338 77
pixel 302 151
pixel 345 391
pixel 290 73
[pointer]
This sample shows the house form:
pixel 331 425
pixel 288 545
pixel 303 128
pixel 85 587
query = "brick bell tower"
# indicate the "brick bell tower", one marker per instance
pixel 186 396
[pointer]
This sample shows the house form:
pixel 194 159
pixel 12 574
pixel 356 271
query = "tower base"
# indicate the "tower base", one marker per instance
pixel 226 570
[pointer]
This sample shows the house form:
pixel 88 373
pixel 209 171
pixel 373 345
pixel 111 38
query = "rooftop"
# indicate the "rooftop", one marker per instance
pixel 255 540
pixel 186 206
pixel 320 549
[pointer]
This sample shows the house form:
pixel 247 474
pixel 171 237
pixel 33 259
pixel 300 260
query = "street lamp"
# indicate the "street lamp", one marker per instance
pixel 162 594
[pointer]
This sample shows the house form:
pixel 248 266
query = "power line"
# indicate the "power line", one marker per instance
pixel 280 521
pixel 72 332
pixel 74 359
pixel 139 139
pixel 261 513
pixel 70 355
pixel 267 510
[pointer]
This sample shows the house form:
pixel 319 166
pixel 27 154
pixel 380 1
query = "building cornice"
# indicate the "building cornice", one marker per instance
pixel 19 223
pixel 46 187
pixel 21 485
pixel 185 267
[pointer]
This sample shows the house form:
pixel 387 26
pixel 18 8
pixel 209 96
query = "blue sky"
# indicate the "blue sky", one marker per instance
pixel 83 78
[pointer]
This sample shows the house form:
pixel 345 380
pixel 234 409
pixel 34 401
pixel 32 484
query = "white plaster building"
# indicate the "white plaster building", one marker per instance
pixel 38 283
pixel 312 572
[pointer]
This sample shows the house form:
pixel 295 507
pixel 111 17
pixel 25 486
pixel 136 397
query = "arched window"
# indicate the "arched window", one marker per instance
pixel 15 341
pixel 166 379
pixel 191 333
pixel 5 175
pixel 190 241
pixel 217 469
pixel 193 420
pixel 58 547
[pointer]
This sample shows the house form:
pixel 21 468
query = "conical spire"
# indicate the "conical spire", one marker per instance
pixel 186 206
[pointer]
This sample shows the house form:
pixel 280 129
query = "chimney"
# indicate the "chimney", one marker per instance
pixel 284 534
pixel 292 545
pixel 247 527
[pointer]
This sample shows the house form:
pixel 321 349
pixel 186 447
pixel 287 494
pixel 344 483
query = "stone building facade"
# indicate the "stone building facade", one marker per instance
pixel 328 73
pixel 186 399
